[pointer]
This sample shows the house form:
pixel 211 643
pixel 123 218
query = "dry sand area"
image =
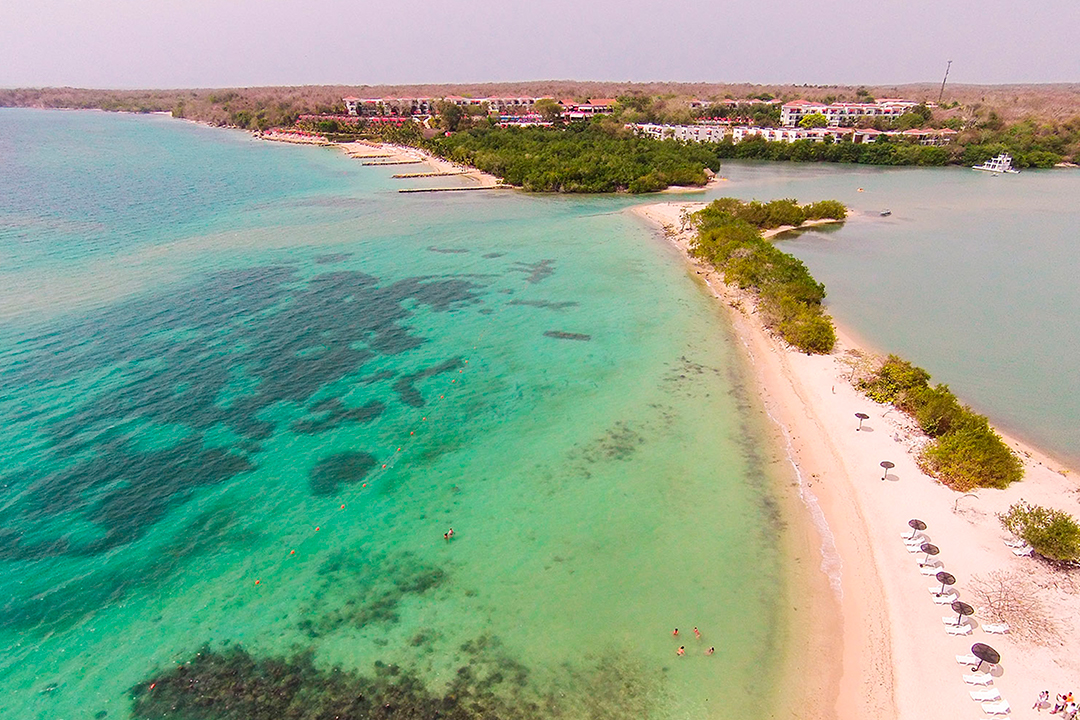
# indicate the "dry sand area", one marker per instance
pixel 414 160
pixel 895 659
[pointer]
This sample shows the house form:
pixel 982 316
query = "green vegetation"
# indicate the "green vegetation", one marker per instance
pixel 965 452
pixel 814 120
pixel 885 151
pixel 1051 533
pixel 589 158
pixel 789 299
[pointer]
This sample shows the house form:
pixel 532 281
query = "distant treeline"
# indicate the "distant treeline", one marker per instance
pixel 965 452
pixel 583 158
pixel 1026 150
pixel 789 299
pixel 1032 141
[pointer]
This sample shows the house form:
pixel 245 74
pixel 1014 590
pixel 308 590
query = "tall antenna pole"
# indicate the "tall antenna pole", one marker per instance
pixel 940 94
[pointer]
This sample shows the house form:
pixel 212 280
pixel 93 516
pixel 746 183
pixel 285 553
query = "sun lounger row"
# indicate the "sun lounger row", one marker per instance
pixel 989 697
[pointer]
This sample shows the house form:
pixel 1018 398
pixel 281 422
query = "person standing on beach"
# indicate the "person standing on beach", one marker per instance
pixel 1044 699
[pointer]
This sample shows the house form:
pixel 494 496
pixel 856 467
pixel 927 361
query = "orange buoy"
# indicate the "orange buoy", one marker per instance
pixel 256 582
pixel 292 552
pixel 316 528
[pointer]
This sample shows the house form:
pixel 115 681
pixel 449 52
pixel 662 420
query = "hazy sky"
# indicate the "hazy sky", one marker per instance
pixel 214 43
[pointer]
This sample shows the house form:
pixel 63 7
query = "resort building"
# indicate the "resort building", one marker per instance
pixel 840 114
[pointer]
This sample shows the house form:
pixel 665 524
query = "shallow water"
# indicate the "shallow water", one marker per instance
pixel 248 387
pixel 973 277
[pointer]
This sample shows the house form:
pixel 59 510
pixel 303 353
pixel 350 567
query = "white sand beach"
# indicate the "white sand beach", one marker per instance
pixel 893 657
pixel 391 153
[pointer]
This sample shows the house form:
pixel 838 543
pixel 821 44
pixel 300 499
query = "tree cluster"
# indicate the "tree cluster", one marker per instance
pixel 789 299
pixel 965 452
pixel 1054 534
pixel 583 158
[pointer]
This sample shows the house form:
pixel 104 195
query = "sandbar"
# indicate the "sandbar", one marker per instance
pixel 889 655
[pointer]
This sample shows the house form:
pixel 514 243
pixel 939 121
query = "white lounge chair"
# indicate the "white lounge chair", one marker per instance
pixel 1014 542
pixel 1023 551
pixel 984 695
pixel 979 679
pixel 996 708
pixel 915 547
pixel 958 629
pixel 946 599
pixel 967 659
pixel 931 569
pixel 951 620
pixel 932 563
pixel 996 628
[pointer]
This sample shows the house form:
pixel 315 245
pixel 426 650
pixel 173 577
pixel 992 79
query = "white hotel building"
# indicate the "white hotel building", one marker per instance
pixel 842 114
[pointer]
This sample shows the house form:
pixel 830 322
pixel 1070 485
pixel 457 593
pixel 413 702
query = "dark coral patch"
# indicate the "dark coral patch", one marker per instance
pixel 331 473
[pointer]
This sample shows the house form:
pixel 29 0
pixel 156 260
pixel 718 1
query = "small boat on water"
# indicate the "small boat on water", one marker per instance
pixel 1001 164
pixel 886 213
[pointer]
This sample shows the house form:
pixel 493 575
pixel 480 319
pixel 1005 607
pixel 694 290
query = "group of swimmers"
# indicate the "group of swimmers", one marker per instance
pixel 682 648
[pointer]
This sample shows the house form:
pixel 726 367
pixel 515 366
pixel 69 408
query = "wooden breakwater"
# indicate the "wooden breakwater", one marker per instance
pixel 428 174
pixel 394 162
pixel 453 189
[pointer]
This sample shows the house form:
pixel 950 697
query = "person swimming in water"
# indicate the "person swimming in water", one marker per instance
pixel 675 632
pixel 448 534
pixel 697 633
pixel 710 651
pixel 681 651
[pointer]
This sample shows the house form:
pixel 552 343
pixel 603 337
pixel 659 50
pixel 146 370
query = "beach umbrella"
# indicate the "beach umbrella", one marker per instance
pixel 986 654
pixel 916 527
pixel 888 466
pixel 861 416
pixel 961 609
pixel 929 549
pixel 945 579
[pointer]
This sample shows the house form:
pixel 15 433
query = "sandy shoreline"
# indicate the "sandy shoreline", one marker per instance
pixel 876 645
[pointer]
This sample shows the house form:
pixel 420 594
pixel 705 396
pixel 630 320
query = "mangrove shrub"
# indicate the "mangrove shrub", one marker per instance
pixel 1051 533
pixel 789 299
pixel 965 452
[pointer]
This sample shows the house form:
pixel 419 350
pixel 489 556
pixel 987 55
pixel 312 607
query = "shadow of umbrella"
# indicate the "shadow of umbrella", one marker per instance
pixel 888 466
pixel 861 416
pixel 929 549
pixel 961 609
pixel 986 654
pixel 917 526
pixel 945 579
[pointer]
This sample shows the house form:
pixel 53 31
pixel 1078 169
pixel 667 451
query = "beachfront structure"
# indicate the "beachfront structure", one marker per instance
pixel 588 109
pixel 523 105
pixel 686 133
pixel 842 114
pixel 367 107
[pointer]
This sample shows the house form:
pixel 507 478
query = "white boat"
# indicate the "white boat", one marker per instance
pixel 1001 164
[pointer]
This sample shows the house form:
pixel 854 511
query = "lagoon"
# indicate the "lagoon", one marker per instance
pixel 972 277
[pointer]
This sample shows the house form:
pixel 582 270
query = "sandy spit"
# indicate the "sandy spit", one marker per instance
pixel 888 655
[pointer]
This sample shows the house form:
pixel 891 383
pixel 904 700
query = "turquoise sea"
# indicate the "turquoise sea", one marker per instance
pixel 247 388
pixel 972 276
